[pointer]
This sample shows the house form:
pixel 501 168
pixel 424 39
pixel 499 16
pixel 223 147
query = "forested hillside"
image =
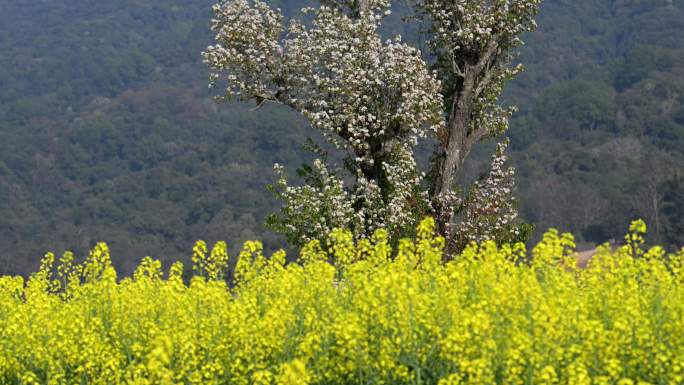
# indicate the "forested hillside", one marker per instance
pixel 600 134
pixel 108 131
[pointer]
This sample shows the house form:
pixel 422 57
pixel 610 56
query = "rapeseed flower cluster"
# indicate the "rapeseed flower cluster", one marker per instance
pixel 353 313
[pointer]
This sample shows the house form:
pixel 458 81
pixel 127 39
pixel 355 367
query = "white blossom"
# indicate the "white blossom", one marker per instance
pixel 489 211
pixel 375 100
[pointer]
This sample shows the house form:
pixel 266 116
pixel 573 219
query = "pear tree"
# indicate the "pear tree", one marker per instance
pixel 374 99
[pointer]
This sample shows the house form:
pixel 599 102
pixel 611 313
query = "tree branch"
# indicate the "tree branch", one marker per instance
pixel 475 137
pixel 489 51
pixel 486 80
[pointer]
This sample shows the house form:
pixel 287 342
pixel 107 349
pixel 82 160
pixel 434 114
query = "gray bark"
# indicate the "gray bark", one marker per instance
pixel 461 135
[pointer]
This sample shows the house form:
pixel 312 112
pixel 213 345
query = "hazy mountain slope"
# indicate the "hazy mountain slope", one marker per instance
pixel 107 130
pixel 600 129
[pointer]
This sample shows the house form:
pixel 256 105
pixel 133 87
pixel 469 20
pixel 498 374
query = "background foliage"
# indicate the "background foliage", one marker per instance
pixel 107 131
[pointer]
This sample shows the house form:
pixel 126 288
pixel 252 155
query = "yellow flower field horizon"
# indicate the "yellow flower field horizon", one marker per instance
pixel 353 313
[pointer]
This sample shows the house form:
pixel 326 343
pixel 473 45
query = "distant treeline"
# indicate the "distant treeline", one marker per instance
pixel 107 131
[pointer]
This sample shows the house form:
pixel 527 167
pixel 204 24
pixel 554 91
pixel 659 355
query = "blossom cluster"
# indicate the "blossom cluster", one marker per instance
pixel 489 212
pixel 362 312
pixel 312 211
pixel 470 25
pixel 335 70
pixel 371 98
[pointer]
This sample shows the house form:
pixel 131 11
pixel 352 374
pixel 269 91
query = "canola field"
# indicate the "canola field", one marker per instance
pixel 358 314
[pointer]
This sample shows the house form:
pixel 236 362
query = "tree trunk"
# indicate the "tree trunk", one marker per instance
pixel 453 152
